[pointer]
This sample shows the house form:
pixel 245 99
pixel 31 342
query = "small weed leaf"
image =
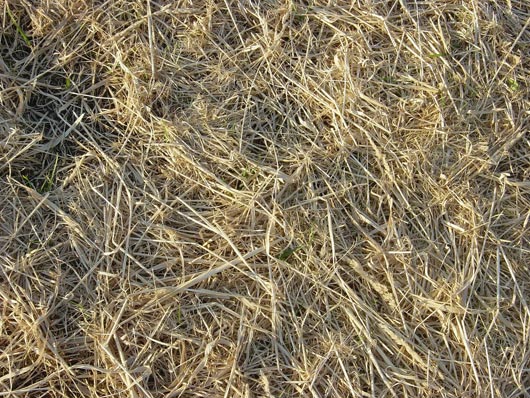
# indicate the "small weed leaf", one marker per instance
pixel 512 84
pixel 284 255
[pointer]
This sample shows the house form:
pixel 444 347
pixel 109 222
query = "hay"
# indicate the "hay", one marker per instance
pixel 264 199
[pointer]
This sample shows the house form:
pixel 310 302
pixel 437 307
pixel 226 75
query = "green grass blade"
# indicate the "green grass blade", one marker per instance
pixel 19 29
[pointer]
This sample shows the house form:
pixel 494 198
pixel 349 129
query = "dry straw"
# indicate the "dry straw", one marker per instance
pixel 264 198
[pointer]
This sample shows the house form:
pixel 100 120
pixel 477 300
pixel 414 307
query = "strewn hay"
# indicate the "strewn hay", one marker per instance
pixel 264 198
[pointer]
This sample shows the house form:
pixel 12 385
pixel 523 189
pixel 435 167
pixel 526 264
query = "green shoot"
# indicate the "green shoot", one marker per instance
pixel 19 29
pixel 512 84
pixel 284 255
pixel 437 55
pixel 47 185
pixel 27 181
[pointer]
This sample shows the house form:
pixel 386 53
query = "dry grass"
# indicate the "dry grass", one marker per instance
pixel 264 199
